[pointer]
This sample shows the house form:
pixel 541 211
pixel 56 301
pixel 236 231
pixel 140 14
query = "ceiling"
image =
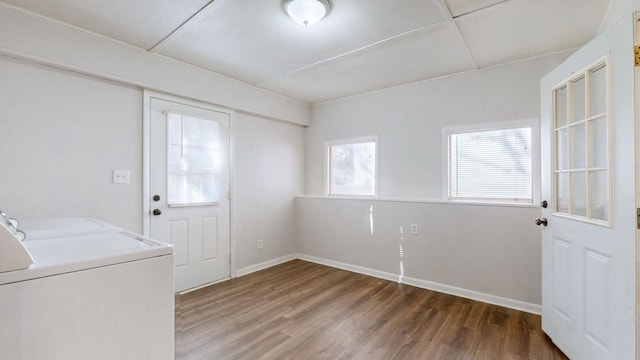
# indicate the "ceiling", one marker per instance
pixel 361 46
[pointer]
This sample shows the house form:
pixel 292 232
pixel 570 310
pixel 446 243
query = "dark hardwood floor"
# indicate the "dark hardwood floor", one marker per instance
pixel 302 310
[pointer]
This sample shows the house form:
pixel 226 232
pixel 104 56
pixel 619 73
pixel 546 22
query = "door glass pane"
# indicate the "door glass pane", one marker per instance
pixel 577 99
pixel 579 193
pixel 561 107
pixel 193 151
pixel 581 145
pixel 599 184
pixel 578 148
pixel 598 148
pixel 562 149
pixel 598 96
pixel 562 195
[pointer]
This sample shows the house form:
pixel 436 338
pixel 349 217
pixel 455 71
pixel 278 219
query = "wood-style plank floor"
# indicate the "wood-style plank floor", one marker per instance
pixel 302 310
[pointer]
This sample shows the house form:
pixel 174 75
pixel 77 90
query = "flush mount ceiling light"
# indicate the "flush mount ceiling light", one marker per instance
pixel 306 12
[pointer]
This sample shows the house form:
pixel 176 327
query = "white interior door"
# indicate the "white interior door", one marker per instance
pixel 588 166
pixel 189 189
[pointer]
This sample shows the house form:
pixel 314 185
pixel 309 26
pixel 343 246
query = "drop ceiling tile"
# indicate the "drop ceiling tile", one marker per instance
pixel 141 23
pixel 424 54
pixel 520 29
pixel 254 41
pixel 461 7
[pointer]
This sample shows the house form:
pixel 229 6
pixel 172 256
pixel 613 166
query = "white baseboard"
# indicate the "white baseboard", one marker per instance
pixel 430 285
pixel 264 265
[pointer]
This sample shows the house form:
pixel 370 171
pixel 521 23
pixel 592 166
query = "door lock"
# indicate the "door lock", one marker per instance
pixel 542 221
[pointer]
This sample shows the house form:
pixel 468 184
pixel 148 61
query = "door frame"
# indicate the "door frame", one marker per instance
pixel 636 42
pixel 147 95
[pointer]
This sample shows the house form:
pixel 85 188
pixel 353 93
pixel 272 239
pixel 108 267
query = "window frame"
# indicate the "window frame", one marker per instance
pixel 168 174
pixel 532 123
pixel 585 73
pixel 327 164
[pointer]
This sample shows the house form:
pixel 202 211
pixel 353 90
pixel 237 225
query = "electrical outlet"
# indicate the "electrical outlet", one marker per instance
pixel 260 244
pixel 414 229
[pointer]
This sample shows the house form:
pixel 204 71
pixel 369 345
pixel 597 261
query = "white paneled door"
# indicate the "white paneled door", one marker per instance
pixel 588 182
pixel 189 188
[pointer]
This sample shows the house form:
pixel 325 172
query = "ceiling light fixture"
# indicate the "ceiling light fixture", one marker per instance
pixel 306 12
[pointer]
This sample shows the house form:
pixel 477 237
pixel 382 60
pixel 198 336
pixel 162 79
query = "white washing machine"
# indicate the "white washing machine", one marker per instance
pixel 79 289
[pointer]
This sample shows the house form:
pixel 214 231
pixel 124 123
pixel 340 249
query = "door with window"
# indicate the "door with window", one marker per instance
pixel 588 183
pixel 189 188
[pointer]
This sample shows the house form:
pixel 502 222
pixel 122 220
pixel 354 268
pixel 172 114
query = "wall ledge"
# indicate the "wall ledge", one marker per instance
pixel 419 201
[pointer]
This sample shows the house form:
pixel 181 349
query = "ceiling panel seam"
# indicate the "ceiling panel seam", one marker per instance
pixel 481 9
pixel 333 58
pixel 447 13
pixel 181 25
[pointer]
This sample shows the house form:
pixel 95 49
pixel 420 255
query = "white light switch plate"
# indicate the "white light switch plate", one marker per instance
pixel 121 176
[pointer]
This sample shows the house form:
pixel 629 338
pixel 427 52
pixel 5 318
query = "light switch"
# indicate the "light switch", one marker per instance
pixel 414 229
pixel 121 176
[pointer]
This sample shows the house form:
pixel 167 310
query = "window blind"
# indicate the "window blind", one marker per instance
pixel 192 160
pixel 491 165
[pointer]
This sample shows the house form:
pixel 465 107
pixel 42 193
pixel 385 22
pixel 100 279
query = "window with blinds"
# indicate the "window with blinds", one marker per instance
pixel 193 150
pixel 492 165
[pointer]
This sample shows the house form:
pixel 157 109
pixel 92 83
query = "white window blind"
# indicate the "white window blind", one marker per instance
pixel 352 168
pixel 193 150
pixel 491 165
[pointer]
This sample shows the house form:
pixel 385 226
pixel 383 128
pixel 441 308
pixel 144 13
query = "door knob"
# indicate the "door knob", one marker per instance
pixel 542 221
pixel 157 212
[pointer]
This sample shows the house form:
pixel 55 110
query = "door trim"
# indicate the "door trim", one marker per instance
pixel 147 95
pixel 636 41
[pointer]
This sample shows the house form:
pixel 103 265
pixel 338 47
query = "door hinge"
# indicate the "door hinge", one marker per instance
pixel 636 50
pixel 638 218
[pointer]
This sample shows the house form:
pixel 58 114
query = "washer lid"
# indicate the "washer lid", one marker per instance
pixel 54 256
pixel 45 228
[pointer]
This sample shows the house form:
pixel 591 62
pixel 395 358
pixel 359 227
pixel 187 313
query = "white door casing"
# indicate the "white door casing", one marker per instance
pixel 588 264
pixel 196 217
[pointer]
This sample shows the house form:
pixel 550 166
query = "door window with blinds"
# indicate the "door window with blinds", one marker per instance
pixel 193 160
pixel 490 165
pixel 581 151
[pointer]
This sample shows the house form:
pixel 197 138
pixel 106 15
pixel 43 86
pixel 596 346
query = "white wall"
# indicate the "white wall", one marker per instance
pixel 491 250
pixel 489 253
pixel 618 11
pixel 269 173
pixel 62 135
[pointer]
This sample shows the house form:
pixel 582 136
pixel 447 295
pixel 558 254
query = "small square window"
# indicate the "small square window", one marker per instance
pixel 352 167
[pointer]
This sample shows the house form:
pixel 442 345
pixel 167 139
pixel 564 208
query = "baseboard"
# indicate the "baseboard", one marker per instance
pixel 430 285
pixel 264 265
